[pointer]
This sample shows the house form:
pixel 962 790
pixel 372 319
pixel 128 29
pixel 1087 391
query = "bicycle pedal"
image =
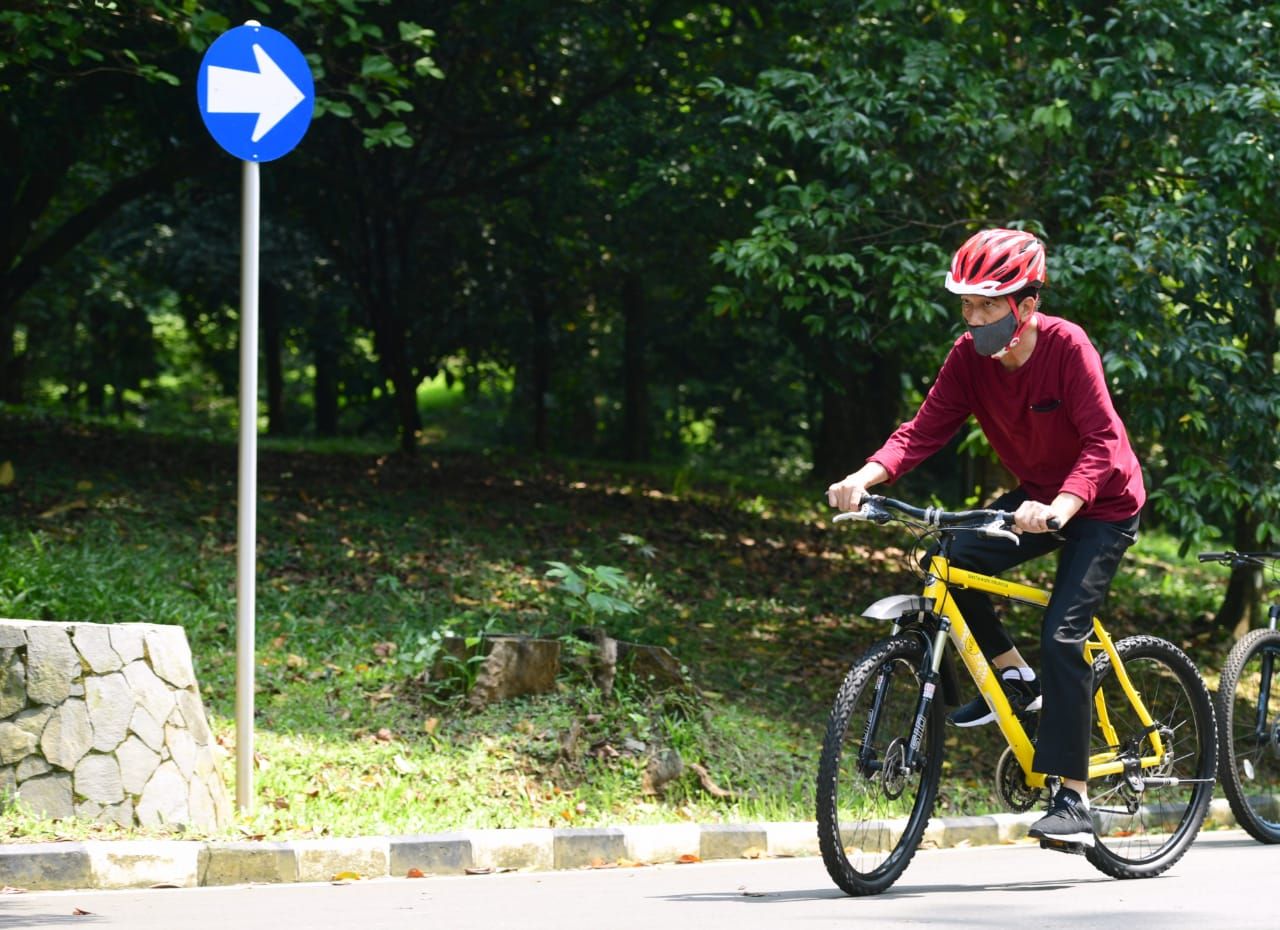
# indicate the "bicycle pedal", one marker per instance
pixel 1076 849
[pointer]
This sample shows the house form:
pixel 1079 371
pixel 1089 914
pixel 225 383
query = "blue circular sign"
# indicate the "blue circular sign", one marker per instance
pixel 255 93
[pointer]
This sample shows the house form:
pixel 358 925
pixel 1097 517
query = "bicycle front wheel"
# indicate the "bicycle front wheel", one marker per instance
pixel 1146 818
pixel 874 801
pixel 1249 714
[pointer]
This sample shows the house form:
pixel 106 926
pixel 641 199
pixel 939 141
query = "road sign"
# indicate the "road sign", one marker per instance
pixel 255 93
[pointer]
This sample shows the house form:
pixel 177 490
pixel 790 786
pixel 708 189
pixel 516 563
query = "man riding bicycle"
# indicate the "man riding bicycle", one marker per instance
pixel 1036 386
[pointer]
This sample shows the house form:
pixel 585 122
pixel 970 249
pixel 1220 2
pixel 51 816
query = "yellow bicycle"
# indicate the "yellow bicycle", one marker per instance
pixel 1153 750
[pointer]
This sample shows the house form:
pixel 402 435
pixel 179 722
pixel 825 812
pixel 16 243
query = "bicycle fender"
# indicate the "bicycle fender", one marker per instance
pixel 891 608
pixel 902 605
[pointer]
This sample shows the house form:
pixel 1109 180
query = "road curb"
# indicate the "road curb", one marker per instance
pixel 110 864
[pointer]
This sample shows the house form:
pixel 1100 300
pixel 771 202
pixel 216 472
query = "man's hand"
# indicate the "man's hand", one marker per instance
pixel 1034 517
pixel 847 493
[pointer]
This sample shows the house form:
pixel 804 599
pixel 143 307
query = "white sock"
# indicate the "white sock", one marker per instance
pixel 1024 672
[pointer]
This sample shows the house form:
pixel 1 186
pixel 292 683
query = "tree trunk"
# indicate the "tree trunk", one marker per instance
pixel 540 376
pixel 1242 604
pixel 10 362
pixel 635 375
pixel 859 411
pixel 273 364
pixel 99 356
pixel 325 389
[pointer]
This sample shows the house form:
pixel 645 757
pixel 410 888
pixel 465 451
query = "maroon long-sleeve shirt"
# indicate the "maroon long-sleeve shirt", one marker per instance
pixel 1051 422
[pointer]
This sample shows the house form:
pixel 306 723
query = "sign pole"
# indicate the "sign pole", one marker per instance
pixel 246 522
pixel 256 97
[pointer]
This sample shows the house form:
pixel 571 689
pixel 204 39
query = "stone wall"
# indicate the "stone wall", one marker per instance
pixel 105 722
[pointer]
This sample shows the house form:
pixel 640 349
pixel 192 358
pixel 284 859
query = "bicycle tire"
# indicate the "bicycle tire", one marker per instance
pixel 1249 748
pixel 1143 832
pixel 871 820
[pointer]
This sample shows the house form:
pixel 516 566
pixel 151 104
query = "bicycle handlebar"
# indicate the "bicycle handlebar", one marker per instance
pixel 1238 558
pixel 997 522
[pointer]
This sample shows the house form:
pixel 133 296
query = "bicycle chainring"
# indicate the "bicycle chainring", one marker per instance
pixel 1011 785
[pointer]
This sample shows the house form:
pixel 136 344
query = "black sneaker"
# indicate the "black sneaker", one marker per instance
pixel 1024 697
pixel 1068 821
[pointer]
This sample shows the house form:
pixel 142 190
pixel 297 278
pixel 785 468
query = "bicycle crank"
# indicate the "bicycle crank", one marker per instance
pixel 1012 787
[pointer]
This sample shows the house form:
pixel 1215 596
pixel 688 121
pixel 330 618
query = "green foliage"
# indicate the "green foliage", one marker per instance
pixel 591 596
pixel 367 562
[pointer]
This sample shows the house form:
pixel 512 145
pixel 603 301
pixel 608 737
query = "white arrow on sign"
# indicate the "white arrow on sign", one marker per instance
pixel 267 92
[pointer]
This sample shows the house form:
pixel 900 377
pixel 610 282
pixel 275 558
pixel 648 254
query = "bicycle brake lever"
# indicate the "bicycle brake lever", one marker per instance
pixel 996 529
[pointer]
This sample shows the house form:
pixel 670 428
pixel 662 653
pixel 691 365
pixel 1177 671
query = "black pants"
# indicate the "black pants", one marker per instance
pixel 1091 553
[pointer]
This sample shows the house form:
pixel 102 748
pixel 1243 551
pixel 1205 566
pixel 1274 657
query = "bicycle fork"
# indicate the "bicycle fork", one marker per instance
pixel 904 757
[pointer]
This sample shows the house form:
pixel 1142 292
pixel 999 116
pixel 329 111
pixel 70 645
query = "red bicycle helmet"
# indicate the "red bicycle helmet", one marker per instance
pixel 997 262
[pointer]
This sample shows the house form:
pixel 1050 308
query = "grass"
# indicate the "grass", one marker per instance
pixel 366 557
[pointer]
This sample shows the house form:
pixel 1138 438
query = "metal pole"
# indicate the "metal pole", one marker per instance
pixel 246 523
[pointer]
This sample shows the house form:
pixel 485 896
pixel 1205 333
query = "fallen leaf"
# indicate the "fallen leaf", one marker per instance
pixel 60 509
pixel 429 725
pixel 9 889
pixel 479 870
pixel 415 873
pixel 347 877
pixel 80 912
pixel 753 852
pixel 687 858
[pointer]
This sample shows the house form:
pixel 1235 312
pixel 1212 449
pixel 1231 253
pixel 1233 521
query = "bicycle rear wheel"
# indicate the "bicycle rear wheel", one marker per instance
pixel 1249 714
pixel 1145 819
pixel 873 803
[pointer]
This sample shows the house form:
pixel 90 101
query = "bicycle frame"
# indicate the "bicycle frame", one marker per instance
pixel 941 577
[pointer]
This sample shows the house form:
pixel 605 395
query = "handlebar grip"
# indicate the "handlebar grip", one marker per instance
pixel 1213 556
pixel 1054 524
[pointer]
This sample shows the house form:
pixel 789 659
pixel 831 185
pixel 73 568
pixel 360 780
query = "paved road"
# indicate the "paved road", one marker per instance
pixel 1226 880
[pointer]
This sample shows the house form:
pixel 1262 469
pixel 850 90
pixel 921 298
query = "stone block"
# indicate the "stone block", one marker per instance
pixel 32 766
pixel 164 800
pixel 68 735
pixel 242 863
pixel 52 663
pixel 576 848
pixel 150 693
pixel 137 764
pixel 126 640
pixel 143 863
pixel 91 729
pixel 145 727
pixel 513 849
pixel 662 842
pixel 109 701
pixel 971 831
pixel 93 642
pixel 796 838
pixel 731 841
pixel 170 656
pixel 97 778
pixel 13 684
pixel 48 795
pixel 45 866
pixel 15 743
pixel 442 854
pixel 321 860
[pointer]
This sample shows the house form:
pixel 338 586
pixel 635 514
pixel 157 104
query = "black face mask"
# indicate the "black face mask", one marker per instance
pixel 991 338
